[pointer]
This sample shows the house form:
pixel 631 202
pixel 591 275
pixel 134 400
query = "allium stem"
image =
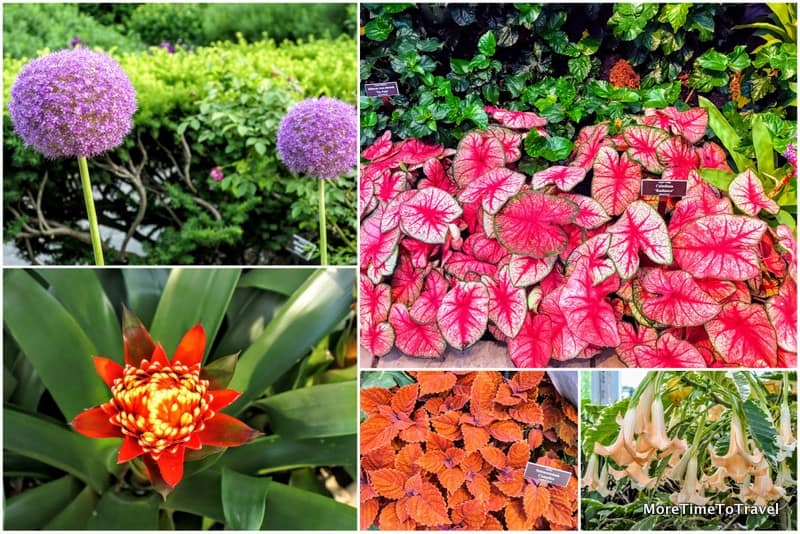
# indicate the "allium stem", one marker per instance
pixel 323 235
pixel 88 197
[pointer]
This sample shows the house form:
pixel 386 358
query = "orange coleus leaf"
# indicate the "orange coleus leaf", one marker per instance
pixel 507 431
pixel 535 501
pixel 479 486
pixel 535 438
pixel 407 457
pixel 491 523
pixel 451 478
pixel 378 458
pixel 371 398
pixel 457 497
pixel 514 514
pixel 569 410
pixel 497 501
pixel 376 432
pixel 563 507
pixel 483 393
pixel 494 456
pixel 433 405
pixel 437 442
pixel 552 414
pixel 519 454
pixel 389 483
pixel 435 382
pixel 418 430
pixel 447 425
pixel 475 437
pixel 405 398
pixel 567 432
pixel 389 519
pixel 529 413
pixel 511 482
pixel 368 513
pixel 471 514
pixel 427 505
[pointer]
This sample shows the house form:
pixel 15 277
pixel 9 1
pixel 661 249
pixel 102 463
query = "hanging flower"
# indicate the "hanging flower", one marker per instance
pixel 72 103
pixel 738 462
pixel 762 490
pixel 319 137
pixel 786 440
pixel 161 408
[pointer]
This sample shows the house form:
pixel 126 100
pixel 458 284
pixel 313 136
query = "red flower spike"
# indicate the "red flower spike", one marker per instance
pixel 161 408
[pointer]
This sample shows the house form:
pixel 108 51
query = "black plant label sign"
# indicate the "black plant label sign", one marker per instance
pixel 664 188
pixel 381 89
pixel 548 475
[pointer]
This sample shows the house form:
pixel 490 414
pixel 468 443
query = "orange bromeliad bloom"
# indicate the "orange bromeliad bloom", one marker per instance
pixel 160 407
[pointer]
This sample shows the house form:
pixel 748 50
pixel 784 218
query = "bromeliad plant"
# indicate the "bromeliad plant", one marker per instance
pixel 180 440
pixel 698 438
pixel 442 450
pixel 574 260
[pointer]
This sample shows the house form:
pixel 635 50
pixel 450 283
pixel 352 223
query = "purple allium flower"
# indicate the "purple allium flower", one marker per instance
pixel 319 137
pixel 166 45
pixel 216 174
pixel 72 103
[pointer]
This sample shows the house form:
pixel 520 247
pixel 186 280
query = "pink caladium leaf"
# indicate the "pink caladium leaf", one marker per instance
pixel 436 176
pixel 526 271
pixel 510 140
pixel 493 188
pixel 427 214
pixel 462 265
pixel 430 300
pixel 590 140
pixel 417 252
pixel 516 120
pixel 720 246
pixel 694 207
pixel 589 315
pixel 531 224
pixel 787 241
pixel 691 123
pixel 676 299
pixel 373 302
pixel 406 282
pixel 391 211
pixel 377 338
pixel 742 334
pixel 507 303
pixel 484 248
pixel 748 195
pixel 564 178
pixel 719 290
pixel 669 352
pixel 642 142
pixel 590 213
pixel 713 156
pixel 640 229
pixel 533 345
pixel 415 152
pixel 630 337
pixel 366 196
pixel 616 180
pixel 380 148
pixel 389 184
pixel 593 253
pixel 782 312
pixel 678 158
pixel 378 249
pixel 566 345
pixel 477 153
pixel 464 314
pixel 422 340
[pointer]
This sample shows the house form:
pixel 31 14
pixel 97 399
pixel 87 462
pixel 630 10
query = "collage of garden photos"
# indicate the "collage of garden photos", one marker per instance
pixel 399 266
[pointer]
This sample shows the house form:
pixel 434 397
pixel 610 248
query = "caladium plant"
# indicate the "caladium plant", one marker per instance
pixel 573 259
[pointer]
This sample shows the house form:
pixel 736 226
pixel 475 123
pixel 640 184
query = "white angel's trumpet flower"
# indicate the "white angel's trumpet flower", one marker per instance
pixel 655 433
pixel 763 489
pixel 691 492
pixel 738 462
pixel 786 440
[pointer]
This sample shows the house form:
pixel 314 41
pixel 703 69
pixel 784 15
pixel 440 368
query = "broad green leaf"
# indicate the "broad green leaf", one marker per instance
pixel 75 516
pixel 82 294
pixel 579 67
pixel 675 14
pixel 487 44
pixel 119 511
pixel 738 59
pixel 605 427
pixel 31 509
pixel 713 60
pixel 192 296
pixel 54 342
pixel 55 445
pixel 144 287
pixel 718 178
pixel 379 29
pixel 784 217
pixel 9 384
pixel 249 312
pixel 284 280
pixel 276 453
pixel 742 385
pixel 762 430
pixel 317 411
pixel 385 379
pixel 725 132
pixel 762 142
pixel 17 465
pixel 243 500
pixel 309 315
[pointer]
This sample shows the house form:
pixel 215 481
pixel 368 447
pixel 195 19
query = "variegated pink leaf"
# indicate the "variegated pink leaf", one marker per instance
pixel 510 140
pixel 380 148
pixel 418 252
pixel 373 301
pixel 526 271
pixel 423 340
pixel 464 313
pixel 531 224
pixel 748 194
pixel 415 152
pixel 406 282
pixel 669 352
pixel 377 338
pixel 507 304
pixel 782 312
pixel 691 208
pixel 533 345
pixel 566 345
pixel 436 176
pixel 590 213
pixel 476 154
pixel 427 304
pixel 787 241
pixel 493 188
pixel 719 290
pixel 720 246
pixel 640 229
pixel 462 265
pixel 691 123
pixel 517 120
pixel 616 181
pixel 642 142
pixel 676 299
pixel 389 184
pixel 593 253
pixel 589 315
pixel 678 158
pixel 590 140
pixel 378 249
pixel 713 156
pixel 742 334
pixel 484 248
pixel 564 178
pixel 366 196
pixel 391 211
pixel 425 216
pixel 630 337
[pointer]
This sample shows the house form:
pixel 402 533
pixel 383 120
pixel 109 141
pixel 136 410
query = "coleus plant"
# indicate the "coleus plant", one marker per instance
pixel 459 245
pixel 449 450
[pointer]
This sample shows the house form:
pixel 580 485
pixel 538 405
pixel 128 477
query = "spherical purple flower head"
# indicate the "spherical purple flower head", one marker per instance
pixel 319 137
pixel 72 103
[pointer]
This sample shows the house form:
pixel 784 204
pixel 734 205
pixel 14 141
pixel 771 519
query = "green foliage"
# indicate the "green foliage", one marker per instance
pixel 168 22
pixel 76 481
